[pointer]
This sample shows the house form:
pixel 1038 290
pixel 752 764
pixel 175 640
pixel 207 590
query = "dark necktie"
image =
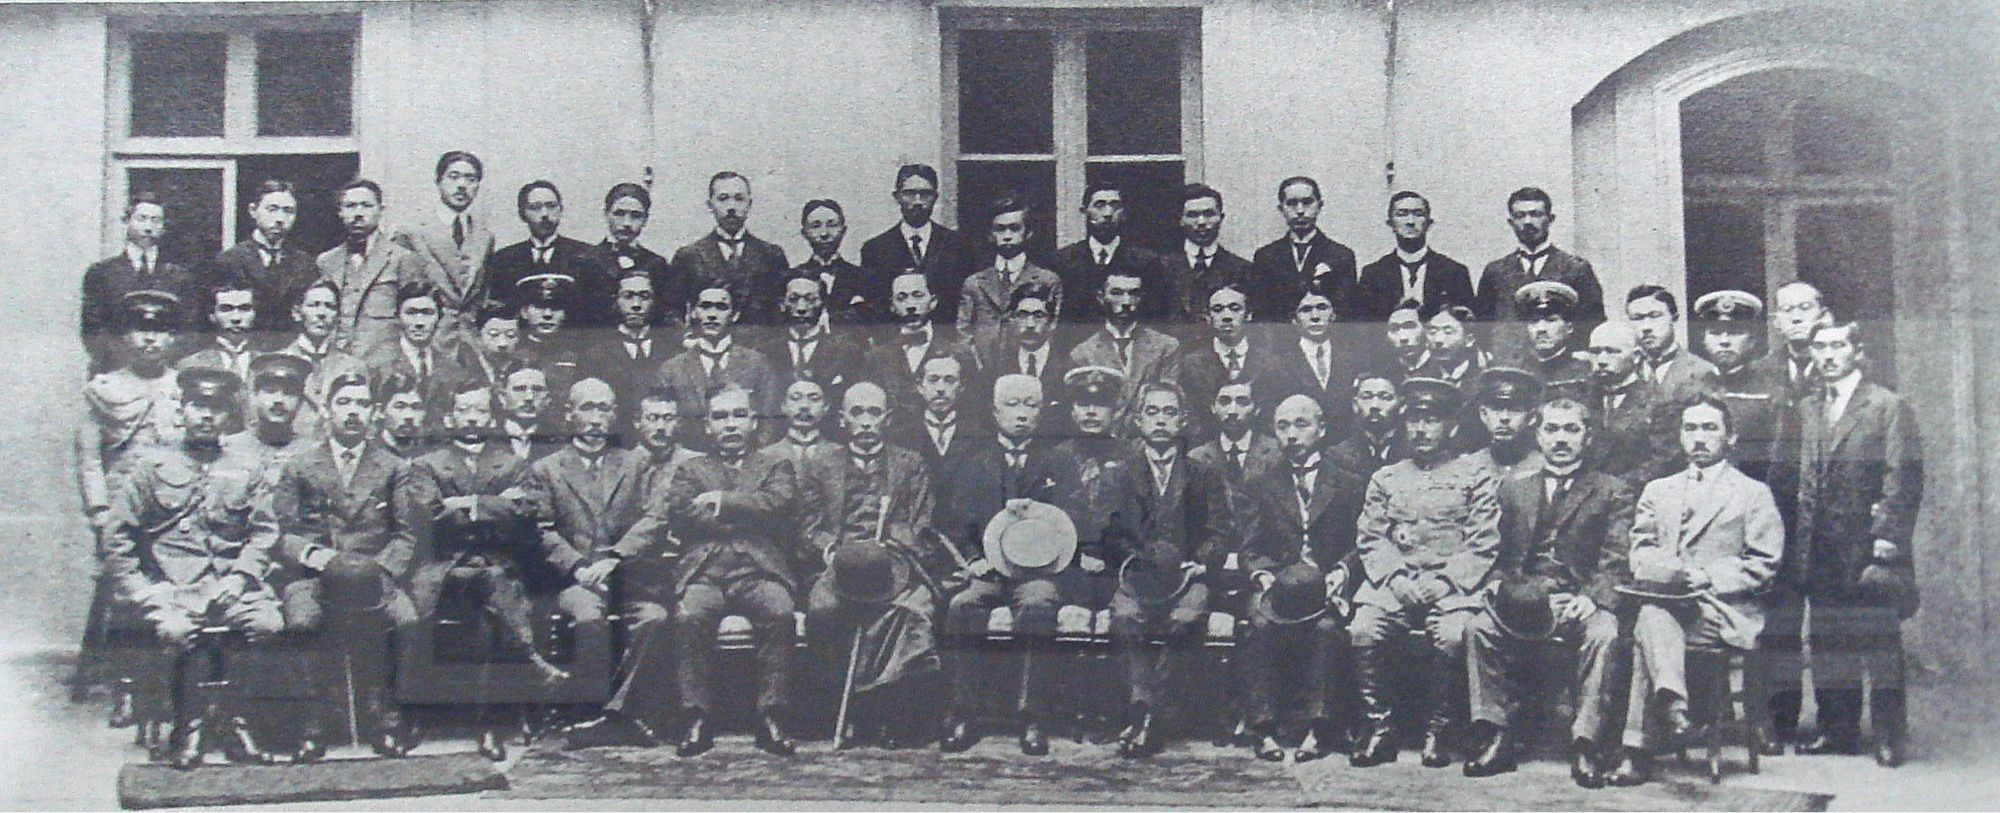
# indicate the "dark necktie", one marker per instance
pixel 1201 264
pixel 1103 257
pixel 916 249
pixel 1533 261
pixel 1233 361
pixel 1124 344
pixel 1030 367
pixel 1236 461
pixel 1410 277
pixel 145 265
pixel 458 231
pixel 1301 485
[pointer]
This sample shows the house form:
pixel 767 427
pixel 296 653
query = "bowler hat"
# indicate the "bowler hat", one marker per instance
pixel 1889 586
pixel 352 584
pixel 1297 595
pixel 209 385
pixel 1037 540
pixel 866 572
pixel 1154 576
pixel 1521 608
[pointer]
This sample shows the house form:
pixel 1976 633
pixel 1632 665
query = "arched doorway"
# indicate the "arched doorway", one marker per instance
pixel 1792 174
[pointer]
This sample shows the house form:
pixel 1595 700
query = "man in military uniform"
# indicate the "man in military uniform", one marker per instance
pixel 186 544
pixel 1428 534
pixel 282 420
pixel 976 483
pixel 1095 489
pixel 546 301
pixel 868 508
pixel 1506 405
pixel 349 555
pixel 1563 529
pixel 132 407
pixel 1549 309
pixel 1301 511
pixel 725 507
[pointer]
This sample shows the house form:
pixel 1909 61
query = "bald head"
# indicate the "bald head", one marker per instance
pixel 591 389
pixel 862 411
pixel 1614 353
pixel 1301 430
pixel 1017 405
pixel 592 409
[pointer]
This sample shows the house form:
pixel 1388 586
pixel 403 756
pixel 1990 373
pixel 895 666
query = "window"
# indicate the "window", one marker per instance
pixel 1791 174
pixel 203 109
pixel 1045 102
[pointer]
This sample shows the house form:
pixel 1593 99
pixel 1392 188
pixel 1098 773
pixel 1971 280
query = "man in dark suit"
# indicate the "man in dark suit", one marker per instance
pixel 627 206
pixel 415 353
pixel 1083 265
pixel 137 267
pixel 986 477
pixel 1301 508
pixel 945 257
pixel 1861 483
pixel 1413 272
pixel 1202 265
pixel 547 251
pixel 1309 362
pixel 406 426
pixel 810 348
pixel 897 364
pixel 1681 376
pixel 1224 354
pixel 1635 433
pixel 716 356
pixel 1283 268
pixel 1237 446
pixel 453 244
pixel 236 337
pixel 1529 213
pixel 1563 529
pixel 1798 309
pixel 725 507
pixel 936 427
pixel 1124 341
pixel 854 294
pixel 333 501
pixel 495 347
pixel 1377 439
pixel 1026 346
pixel 531 427
pixel 275 270
pixel 752 268
pixel 1454 355
pixel 629 356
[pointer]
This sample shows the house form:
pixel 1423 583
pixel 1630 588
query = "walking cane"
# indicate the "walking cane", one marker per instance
pixel 854 649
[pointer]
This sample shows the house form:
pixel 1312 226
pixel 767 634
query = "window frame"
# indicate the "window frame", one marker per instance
pixel 1070 29
pixel 240 137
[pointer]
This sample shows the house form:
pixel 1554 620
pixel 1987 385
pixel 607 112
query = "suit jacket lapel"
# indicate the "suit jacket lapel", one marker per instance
pixel 1322 492
pixel 1864 397
pixel 1718 495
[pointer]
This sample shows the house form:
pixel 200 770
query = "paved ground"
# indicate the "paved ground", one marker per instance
pixel 55 755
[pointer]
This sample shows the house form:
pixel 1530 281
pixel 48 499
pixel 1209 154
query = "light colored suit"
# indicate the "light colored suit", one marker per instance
pixel 1150 359
pixel 1726 527
pixel 368 291
pixel 982 307
pixel 457 269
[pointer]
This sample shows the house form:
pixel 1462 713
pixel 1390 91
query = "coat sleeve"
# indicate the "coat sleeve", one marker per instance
pixel 556 548
pixel 1468 568
pixel 819 525
pixel 1379 556
pixel 1516 554
pixel 1649 561
pixel 130 514
pixel 1895 514
pixel 297 544
pixel 1614 567
pixel 399 556
pixel 650 531
pixel 1763 543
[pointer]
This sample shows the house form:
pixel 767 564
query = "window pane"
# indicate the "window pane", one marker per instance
pixel 305 83
pixel 981 182
pixel 1134 93
pixel 177 84
pixel 315 177
pixel 1152 192
pixel 1006 101
pixel 1725 249
pixel 1829 138
pixel 1848 252
pixel 194 202
pixel 1722 129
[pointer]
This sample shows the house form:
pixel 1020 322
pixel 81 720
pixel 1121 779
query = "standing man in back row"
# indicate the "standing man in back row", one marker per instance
pixel 753 269
pixel 1285 267
pixel 452 245
pixel 919 242
pixel 1530 213
pixel 1412 272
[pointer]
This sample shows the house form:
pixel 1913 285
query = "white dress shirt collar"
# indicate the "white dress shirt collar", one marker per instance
pixel 922 232
pixel 1413 258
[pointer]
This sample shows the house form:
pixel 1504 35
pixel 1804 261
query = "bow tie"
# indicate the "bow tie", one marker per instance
pixel 1534 256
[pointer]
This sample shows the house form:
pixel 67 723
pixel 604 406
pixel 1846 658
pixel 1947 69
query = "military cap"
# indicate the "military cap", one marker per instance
pixel 149 309
pixel 1423 395
pixel 1509 387
pixel 210 385
pixel 283 368
pixel 545 289
pixel 1545 297
pixel 1093 385
pixel 1728 306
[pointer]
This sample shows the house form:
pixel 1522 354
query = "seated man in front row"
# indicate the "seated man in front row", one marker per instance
pixel 1563 541
pixel 185 544
pixel 1705 540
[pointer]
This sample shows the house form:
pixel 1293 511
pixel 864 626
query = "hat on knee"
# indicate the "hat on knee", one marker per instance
pixel 352 584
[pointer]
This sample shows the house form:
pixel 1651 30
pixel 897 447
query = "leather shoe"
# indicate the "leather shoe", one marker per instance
pixel 239 746
pixel 1267 748
pixel 1144 741
pixel 1034 742
pixel 1495 757
pixel 493 744
pixel 1889 751
pixel 309 750
pixel 1826 744
pixel 1436 754
pixel 957 737
pixel 1376 749
pixel 187 744
pixel 1633 769
pixel 1678 724
pixel 697 741
pixel 393 743
pixel 771 738
pixel 1583 765
pixel 611 730
pixel 1325 738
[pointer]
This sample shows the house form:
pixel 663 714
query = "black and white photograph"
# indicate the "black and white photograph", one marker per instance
pixel 979 404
